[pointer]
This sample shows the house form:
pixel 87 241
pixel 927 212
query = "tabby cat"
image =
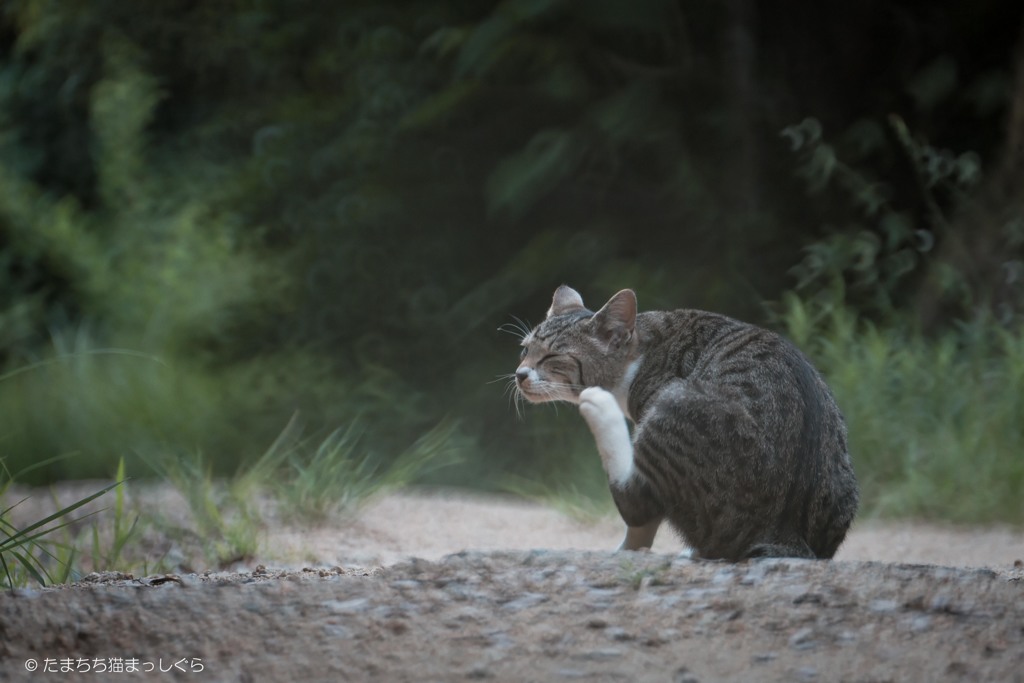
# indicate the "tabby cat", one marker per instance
pixel 737 442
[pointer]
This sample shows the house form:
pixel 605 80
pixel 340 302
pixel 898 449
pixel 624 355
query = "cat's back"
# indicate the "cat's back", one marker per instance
pixel 769 441
pixel 701 346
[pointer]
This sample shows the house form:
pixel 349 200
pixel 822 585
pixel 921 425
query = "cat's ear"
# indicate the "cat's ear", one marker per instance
pixel 616 320
pixel 566 299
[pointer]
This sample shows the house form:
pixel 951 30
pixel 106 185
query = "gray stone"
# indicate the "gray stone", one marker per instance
pixel 884 605
pixel 803 639
pixel 353 606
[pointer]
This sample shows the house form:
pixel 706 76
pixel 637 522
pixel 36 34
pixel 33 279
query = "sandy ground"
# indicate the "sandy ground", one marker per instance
pixel 445 586
pixel 432 525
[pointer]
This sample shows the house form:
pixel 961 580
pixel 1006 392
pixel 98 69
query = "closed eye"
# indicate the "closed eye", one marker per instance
pixel 522 354
pixel 562 365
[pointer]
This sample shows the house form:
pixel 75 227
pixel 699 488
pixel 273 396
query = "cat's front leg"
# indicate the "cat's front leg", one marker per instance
pixel 633 497
pixel 639 537
pixel 608 425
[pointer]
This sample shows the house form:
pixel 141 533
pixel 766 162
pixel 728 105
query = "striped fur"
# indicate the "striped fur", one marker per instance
pixel 737 441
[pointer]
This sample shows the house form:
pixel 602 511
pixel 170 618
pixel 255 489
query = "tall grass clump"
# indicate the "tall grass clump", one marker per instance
pixel 223 518
pixel 38 552
pixel 314 478
pixel 934 420
pixel 298 478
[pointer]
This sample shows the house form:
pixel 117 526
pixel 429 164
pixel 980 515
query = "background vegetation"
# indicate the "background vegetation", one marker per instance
pixel 227 224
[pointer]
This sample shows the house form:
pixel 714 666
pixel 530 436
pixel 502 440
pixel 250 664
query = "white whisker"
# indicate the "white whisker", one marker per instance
pixel 518 329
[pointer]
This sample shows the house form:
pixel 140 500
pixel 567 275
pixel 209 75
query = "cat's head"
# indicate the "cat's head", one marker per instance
pixel 575 348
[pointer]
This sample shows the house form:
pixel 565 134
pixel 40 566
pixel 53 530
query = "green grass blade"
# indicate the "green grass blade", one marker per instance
pixel 5 511
pixel 7 571
pixel 40 464
pixel 23 536
pixel 29 564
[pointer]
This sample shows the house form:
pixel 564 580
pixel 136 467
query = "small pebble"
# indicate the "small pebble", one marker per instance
pixel 883 605
pixel 337 631
pixel 478 672
pixel 603 654
pixel 809 598
pixel 754 575
pixel 723 576
pixel 684 675
pixel 921 623
pixel 572 673
pixel 619 634
pixel 353 606
pixel 941 603
pixel 806 673
pixel 525 601
pixel 803 639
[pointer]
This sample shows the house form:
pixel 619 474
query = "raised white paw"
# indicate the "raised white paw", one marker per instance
pixel 597 403
pixel 608 425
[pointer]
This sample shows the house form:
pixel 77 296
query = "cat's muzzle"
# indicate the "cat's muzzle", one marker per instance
pixel 525 377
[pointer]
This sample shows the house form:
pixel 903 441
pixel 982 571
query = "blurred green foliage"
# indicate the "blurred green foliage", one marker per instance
pixel 934 422
pixel 213 215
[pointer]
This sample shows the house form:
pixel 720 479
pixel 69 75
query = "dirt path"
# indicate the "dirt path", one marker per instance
pixel 537 597
pixel 430 526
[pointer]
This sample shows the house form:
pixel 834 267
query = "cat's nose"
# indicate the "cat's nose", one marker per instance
pixel 522 374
